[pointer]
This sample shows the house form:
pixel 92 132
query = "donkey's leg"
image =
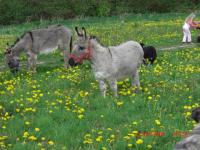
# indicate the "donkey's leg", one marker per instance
pixel 34 62
pixel 113 86
pixel 136 81
pixel 102 86
pixel 31 64
pixel 63 46
pixel 66 59
pixel 28 63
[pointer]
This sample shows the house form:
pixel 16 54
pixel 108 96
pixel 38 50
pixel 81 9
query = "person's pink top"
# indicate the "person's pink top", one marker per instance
pixel 192 24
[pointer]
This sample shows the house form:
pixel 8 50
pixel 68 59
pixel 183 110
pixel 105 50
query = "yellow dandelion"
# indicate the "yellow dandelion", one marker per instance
pixel 149 146
pixel 187 114
pixel 99 138
pixel 104 148
pixel 126 138
pixel 88 141
pixel 37 129
pixel 50 142
pixel 139 141
pixel 157 122
pixel 80 116
pixel 43 138
pixel 39 144
pixel 32 138
pixel 112 136
pixel 120 103
pixel 27 123
pixel 109 129
pixel 130 145
pixel 135 123
pixel 26 134
pixel 135 132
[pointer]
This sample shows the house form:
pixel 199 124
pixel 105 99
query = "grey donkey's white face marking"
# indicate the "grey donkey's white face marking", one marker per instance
pixel 110 63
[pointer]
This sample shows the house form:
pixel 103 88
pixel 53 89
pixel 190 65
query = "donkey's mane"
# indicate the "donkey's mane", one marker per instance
pixel 97 39
pixel 19 38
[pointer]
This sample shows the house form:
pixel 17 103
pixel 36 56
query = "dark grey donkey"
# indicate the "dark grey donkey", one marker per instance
pixel 191 142
pixel 39 41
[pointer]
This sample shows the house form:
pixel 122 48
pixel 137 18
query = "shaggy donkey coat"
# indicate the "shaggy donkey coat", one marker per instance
pixel 39 41
pixel 191 142
pixel 113 62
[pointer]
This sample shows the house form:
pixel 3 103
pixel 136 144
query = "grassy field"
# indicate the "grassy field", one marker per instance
pixel 62 109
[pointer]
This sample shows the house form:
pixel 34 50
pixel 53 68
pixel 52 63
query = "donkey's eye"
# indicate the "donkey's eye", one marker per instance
pixel 81 48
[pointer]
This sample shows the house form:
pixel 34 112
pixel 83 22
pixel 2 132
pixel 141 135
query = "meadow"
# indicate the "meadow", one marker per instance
pixel 62 109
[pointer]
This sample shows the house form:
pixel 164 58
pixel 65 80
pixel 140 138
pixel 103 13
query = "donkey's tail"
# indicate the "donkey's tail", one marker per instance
pixel 70 45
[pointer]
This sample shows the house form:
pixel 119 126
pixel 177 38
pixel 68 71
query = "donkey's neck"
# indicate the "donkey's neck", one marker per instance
pixel 100 56
pixel 23 45
pixel 17 49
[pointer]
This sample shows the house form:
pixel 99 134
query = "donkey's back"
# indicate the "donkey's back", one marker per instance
pixel 47 39
pixel 128 50
pixel 126 58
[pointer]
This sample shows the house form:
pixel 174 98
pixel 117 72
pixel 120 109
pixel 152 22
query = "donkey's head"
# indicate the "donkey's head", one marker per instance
pixel 11 60
pixel 80 48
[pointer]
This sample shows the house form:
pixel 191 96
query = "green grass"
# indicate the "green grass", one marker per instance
pixel 68 109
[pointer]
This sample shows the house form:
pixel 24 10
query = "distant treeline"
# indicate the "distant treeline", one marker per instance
pixel 18 11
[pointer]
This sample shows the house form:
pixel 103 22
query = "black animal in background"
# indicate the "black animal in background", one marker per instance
pixel 198 38
pixel 149 53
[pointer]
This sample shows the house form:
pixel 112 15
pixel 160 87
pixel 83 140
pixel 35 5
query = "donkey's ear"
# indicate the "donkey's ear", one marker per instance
pixel 7 49
pixel 7 45
pixel 84 31
pixel 142 44
pixel 76 29
pixel 8 52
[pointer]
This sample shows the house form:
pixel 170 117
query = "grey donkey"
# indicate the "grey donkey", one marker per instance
pixel 108 63
pixel 38 41
pixel 191 142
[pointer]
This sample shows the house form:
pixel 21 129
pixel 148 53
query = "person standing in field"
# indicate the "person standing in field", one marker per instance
pixel 189 24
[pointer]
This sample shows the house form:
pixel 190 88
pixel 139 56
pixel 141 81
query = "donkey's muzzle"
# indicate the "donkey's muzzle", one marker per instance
pixel 14 66
pixel 72 62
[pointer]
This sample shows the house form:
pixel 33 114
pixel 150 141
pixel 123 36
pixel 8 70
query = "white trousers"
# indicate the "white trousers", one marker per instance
pixel 186 33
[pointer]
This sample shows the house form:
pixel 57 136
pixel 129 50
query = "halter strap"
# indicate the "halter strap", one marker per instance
pixel 86 55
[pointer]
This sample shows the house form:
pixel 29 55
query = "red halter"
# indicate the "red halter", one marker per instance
pixel 86 55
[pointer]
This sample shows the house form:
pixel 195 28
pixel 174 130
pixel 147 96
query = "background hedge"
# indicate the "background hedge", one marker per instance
pixel 18 11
